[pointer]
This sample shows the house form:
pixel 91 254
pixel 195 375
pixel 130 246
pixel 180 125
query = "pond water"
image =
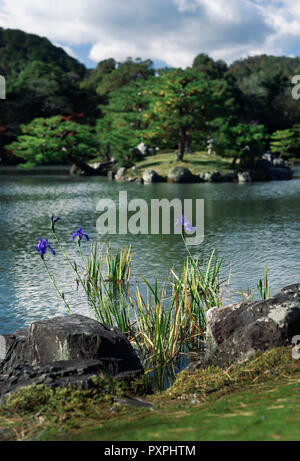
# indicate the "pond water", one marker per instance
pixel 250 225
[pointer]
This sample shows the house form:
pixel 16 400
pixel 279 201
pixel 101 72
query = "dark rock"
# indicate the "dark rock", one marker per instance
pixel 280 173
pixel 77 373
pixel 65 350
pixel 267 169
pixel 180 174
pixel 93 169
pixel 150 176
pixel 237 331
pixel 136 180
pixel 229 177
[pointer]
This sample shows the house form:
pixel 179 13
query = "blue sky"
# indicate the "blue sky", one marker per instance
pixel 170 32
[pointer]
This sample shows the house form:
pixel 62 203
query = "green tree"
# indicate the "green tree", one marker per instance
pixel 109 75
pixel 284 142
pixel 181 103
pixel 213 69
pixel 238 141
pixel 54 140
pixel 265 83
pixel 120 130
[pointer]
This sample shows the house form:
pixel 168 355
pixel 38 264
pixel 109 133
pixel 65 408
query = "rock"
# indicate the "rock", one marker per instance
pixel 280 173
pixel 211 177
pixel 110 175
pixel 76 171
pixel 237 331
pixel 145 150
pixel 142 148
pixel 120 174
pixel 139 180
pixel 244 176
pixel 267 169
pixel 150 176
pixel 229 177
pixel 180 174
pixel 95 165
pixel 91 169
pixel 280 162
pixel 64 350
pixel 268 156
pixel 136 180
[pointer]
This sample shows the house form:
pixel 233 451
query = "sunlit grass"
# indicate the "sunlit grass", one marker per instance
pixel 197 162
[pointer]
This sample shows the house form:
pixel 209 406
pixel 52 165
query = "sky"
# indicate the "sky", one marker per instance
pixel 170 32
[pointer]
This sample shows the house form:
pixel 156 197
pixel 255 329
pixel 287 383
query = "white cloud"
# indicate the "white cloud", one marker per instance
pixel 174 31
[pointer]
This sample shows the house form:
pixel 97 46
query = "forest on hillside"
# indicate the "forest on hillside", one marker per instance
pixel 56 110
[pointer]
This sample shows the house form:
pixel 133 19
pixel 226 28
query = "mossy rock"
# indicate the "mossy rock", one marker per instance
pixel 181 174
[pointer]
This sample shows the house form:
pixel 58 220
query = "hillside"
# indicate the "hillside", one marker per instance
pixel 18 49
pixel 41 80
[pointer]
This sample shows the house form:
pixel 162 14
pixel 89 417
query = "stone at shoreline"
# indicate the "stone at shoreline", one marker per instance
pixel 231 176
pixel 270 168
pixel 244 176
pixel 136 180
pixel 76 171
pixel 120 174
pixel 180 174
pixel 110 175
pixel 92 169
pixel 150 176
pixel 237 331
pixel 211 176
pixel 65 350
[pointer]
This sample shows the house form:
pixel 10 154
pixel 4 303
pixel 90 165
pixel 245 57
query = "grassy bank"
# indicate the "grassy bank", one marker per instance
pixel 197 162
pixel 258 400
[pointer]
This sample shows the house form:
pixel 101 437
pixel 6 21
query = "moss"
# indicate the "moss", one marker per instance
pixel 195 398
pixel 272 364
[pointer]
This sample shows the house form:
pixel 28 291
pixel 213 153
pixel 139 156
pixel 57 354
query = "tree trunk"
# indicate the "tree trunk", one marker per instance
pixel 181 145
pixel 234 162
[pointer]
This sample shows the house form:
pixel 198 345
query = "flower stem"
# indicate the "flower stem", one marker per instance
pixel 74 267
pixel 55 286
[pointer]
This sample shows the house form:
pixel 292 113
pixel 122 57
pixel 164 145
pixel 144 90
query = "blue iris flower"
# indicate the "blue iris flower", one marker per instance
pixel 80 234
pixel 184 223
pixel 54 220
pixel 42 246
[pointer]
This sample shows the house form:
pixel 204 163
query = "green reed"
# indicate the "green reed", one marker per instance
pixel 165 323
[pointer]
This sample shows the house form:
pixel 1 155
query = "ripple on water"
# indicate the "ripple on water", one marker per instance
pixel 250 225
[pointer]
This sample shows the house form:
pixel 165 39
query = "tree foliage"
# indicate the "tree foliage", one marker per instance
pixel 265 83
pixel 128 103
pixel 181 103
pixel 54 140
pixel 238 140
pixel 110 75
pixel 286 142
